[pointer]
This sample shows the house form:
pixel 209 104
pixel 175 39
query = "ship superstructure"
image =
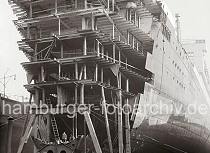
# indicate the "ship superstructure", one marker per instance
pixel 102 53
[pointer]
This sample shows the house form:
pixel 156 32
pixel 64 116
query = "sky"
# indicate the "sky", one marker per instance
pixel 195 24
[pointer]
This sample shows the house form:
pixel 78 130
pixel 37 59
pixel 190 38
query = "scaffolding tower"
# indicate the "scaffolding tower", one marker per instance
pixel 84 52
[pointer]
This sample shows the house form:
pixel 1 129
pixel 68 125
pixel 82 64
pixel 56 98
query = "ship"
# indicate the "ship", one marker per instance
pixel 113 58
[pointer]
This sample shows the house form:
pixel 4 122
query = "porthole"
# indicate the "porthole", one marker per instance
pixel 63 151
pixel 49 151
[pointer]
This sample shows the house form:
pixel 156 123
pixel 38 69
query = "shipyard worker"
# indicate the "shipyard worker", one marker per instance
pixel 64 136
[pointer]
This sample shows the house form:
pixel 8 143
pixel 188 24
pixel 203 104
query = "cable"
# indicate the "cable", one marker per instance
pixel 65 124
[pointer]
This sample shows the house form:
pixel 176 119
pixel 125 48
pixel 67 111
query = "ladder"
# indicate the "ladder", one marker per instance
pixel 53 123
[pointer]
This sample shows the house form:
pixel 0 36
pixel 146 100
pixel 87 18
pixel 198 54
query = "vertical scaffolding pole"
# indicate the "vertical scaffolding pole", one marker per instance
pixel 102 75
pixel 59 26
pixel 59 70
pixel 85 71
pixel 137 46
pixel 82 89
pixel 92 21
pixel 108 5
pixel 30 10
pixel 35 51
pixel 114 53
pixel 97 48
pixel 120 123
pixel 75 3
pixel 76 71
pixel 127 128
pixel 133 41
pixel 102 52
pixel 56 6
pixel 128 37
pixel 119 54
pixel 85 46
pixel 139 21
pixel 96 72
pixel 113 5
pixel 76 102
pixel 42 73
pixel 62 54
pixel 127 121
pixel 113 31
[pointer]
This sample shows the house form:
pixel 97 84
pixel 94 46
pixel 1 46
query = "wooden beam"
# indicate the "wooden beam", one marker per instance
pixel 60 96
pixel 37 102
pixel 113 52
pixel 97 48
pixel 133 41
pixel 28 31
pixel 62 50
pixel 127 85
pixel 76 102
pixel 102 74
pixel 59 26
pixel 85 3
pixel 76 71
pixel 92 132
pixel 137 46
pixel 139 21
pixel 128 37
pixel 82 96
pixel 35 51
pixel 119 54
pixel 106 120
pixel 126 63
pixel 25 137
pixel 85 71
pixel 96 72
pixel 56 7
pixel 81 72
pixel 85 46
pixel 107 55
pixel 75 3
pixel 42 73
pixel 120 122
pixel 113 35
pixel 102 51
pixel 127 129
pixel 59 70
pixel 135 18
pixel 30 10
pixel 135 109
pixel 92 21
pixel 108 5
pixel 113 5
pixel 27 117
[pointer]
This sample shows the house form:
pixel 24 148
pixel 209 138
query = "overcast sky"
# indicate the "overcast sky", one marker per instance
pixel 195 24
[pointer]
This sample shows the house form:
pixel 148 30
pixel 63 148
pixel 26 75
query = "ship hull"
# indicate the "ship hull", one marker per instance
pixel 170 137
